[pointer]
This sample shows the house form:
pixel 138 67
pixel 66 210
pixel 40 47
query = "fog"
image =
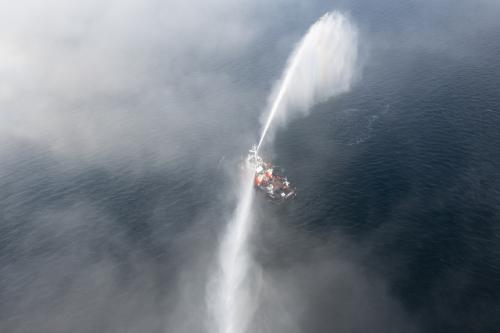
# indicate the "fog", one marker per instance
pixel 107 81
pixel 121 125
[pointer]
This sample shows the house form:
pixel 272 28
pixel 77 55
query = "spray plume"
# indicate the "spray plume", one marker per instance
pixel 232 302
pixel 321 66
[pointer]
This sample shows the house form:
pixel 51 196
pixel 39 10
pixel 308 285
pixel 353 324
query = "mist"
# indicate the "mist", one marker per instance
pixel 122 125
pixel 323 64
pixel 233 291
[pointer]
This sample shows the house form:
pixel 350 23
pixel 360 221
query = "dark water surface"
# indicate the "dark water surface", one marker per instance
pixel 408 165
pixel 405 168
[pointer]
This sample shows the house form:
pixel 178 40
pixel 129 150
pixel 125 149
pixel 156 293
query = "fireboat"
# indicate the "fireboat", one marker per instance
pixel 269 180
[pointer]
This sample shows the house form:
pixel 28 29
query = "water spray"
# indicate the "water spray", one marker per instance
pixel 321 66
pixel 281 93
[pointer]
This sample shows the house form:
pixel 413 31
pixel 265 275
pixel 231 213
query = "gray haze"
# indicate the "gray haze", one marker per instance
pixel 100 100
